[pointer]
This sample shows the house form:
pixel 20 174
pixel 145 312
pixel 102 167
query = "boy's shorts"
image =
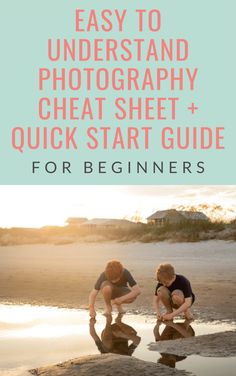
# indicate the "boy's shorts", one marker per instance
pixel 117 291
pixel 173 305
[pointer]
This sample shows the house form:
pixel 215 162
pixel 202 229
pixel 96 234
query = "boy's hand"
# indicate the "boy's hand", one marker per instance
pixel 117 301
pixel 167 316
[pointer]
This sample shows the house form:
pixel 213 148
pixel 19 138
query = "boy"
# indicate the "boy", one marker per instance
pixel 173 291
pixel 113 283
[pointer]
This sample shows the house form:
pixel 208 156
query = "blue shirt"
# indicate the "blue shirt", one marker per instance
pixel 125 279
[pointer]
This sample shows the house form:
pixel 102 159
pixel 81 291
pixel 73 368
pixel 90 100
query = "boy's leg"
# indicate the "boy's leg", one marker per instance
pixel 165 296
pixel 106 290
pixel 121 291
pixel 120 307
pixel 178 299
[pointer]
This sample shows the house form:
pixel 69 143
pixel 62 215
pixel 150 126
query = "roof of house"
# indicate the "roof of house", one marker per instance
pixel 160 214
pixel 76 220
pixel 163 214
pixel 108 222
pixel 193 215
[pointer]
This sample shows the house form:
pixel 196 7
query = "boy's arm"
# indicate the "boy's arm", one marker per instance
pixel 187 304
pixel 135 291
pixel 156 306
pixel 92 299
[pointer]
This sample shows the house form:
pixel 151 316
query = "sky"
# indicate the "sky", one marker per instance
pixel 37 206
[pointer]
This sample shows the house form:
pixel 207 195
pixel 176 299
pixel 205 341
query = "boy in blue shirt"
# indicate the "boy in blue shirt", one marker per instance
pixel 113 283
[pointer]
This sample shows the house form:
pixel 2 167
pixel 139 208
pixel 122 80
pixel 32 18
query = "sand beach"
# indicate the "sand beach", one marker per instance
pixel 63 275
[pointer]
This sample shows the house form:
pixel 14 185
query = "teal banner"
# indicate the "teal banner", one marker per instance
pixel 117 92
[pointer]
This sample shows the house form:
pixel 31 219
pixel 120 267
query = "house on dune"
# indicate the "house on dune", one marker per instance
pixel 173 216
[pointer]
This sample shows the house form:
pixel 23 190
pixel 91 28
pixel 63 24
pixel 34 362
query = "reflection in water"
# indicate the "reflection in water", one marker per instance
pixel 172 331
pixel 33 336
pixel 115 337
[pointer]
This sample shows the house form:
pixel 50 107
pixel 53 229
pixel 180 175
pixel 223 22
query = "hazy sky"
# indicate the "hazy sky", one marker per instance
pixel 35 206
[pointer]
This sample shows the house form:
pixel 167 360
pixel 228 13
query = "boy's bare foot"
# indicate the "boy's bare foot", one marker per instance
pixel 107 314
pixel 120 309
pixel 188 315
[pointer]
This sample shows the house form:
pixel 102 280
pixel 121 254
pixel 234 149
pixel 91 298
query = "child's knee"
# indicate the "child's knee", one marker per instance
pixel 177 297
pixel 163 292
pixel 106 287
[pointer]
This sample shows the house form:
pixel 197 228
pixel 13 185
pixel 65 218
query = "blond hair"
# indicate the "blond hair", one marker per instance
pixel 165 272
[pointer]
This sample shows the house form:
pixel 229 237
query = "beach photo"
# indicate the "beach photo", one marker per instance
pixel 136 280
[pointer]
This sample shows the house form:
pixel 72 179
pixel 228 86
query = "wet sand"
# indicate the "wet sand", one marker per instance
pixel 63 275
pixel 107 365
pixel 209 345
pixel 104 365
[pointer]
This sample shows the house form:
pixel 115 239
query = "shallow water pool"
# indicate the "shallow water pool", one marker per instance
pixel 34 336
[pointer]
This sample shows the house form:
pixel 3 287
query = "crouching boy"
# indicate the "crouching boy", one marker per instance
pixel 174 292
pixel 113 284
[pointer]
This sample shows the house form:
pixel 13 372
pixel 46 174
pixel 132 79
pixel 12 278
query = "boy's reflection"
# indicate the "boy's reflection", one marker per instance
pixel 115 337
pixel 172 330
